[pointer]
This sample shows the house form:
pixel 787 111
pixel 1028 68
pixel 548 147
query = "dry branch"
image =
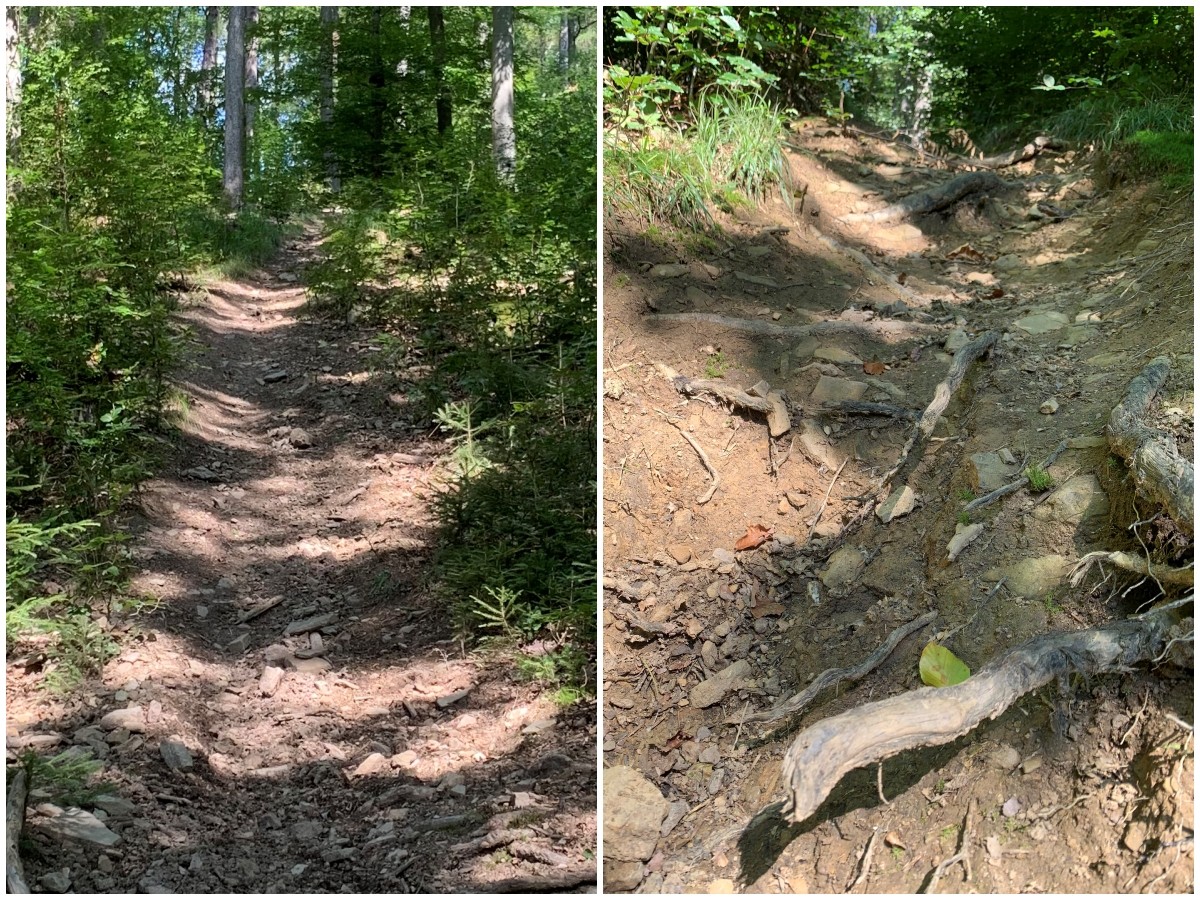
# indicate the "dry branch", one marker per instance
pixel 1160 472
pixel 716 479
pixel 824 752
pixel 14 822
pixel 797 703
pixel 865 408
pixel 941 399
pixel 933 199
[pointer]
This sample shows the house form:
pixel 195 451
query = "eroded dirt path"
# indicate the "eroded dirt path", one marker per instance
pixel 297 715
pixel 1087 788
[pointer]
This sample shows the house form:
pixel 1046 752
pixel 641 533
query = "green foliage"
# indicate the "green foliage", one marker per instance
pixel 565 668
pixel 1170 154
pixel 1039 479
pixel 941 668
pixel 738 138
pixel 716 365
pixel 68 778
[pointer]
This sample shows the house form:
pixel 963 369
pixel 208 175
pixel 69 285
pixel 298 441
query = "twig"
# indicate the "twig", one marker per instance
pixel 712 488
pixel 813 527
pixel 865 868
pixel 879 784
pixel 1013 486
pixel 962 856
pixel 830 677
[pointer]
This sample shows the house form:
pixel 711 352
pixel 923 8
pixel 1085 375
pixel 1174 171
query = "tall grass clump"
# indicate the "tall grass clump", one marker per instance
pixel 739 140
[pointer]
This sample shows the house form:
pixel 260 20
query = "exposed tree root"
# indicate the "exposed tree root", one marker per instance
pixel 1160 472
pixel 1184 576
pixel 823 753
pixel 933 199
pixel 1001 160
pixel 797 703
pixel 716 479
pixel 14 822
pixel 778 421
pixel 877 329
pixel 907 294
pixel 941 399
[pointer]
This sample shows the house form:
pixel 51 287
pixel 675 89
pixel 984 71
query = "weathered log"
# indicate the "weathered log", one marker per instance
pixel 1160 472
pixel 933 199
pixel 823 753
pixel 14 822
pixel 966 355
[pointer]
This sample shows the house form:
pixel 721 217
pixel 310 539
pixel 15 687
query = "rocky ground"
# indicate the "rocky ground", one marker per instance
pixel 1079 787
pixel 297 714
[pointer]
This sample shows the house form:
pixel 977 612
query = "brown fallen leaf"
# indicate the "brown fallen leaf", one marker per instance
pixel 754 536
pixel 767 608
pixel 874 367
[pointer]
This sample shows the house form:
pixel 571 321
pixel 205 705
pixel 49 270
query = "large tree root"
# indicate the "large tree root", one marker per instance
pixel 933 199
pixel 826 751
pixel 14 822
pixel 1001 160
pixel 907 294
pixel 941 399
pixel 1184 576
pixel 877 329
pixel 769 402
pixel 1160 472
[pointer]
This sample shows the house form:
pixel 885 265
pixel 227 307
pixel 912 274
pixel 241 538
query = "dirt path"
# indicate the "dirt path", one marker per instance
pixel 1083 789
pixel 297 715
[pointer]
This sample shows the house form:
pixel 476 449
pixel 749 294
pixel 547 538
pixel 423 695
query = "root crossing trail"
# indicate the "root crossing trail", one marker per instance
pixel 297 714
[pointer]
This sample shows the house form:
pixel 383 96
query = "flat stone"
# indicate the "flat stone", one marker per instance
pixel 202 473
pixel 681 553
pixel 131 718
pixel 816 445
pixel 956 340
pixel 308 830
pixel 988 472
pixel 1008 262
pixel 115 807
pixel 985 278
pixel 1080 499
pixel 634 810
pixel 621 874
pixel 797 499
pixel 176 755
pixel 843 569
pixel 837 355
pixel 314 666
pixel 239 644
pixel 1006 456
pixel 79 826
pixel 963 535
pixel 372 765
pixel 754 251
pixel 275 376
pixel 1043 322
pixel 312 623
pixel 1107 360
pixel 778 420
pixel 675 814
pixel 269 683
pixel 276 653
pixel 832 390
pixel 451 699
pixel 1032 577
pixel 404 759
pixel 57 882
pixel 899 503
pixel 697 297
pixel 668 270
pixel 712 690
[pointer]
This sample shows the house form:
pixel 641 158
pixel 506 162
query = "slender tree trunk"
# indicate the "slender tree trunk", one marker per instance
pixel 329 26
pixel 208 62
pixel 235 112
pixel 504 135
pixel 12 85
pixel 437 40
pixel 378 80
pixel 564 42
pixel 251 81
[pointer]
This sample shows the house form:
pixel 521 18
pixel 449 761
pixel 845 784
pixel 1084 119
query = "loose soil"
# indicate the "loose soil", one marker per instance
pixel 1080 787
pixel 388 759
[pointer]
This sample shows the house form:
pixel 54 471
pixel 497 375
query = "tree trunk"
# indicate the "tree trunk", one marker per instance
pixel 378 80
pixel 504 135
pixel 12 87
pixel 251 82
pixel 208 62
pixel 235 112
pixel 437 39
pixel 329 25
pixel 564 42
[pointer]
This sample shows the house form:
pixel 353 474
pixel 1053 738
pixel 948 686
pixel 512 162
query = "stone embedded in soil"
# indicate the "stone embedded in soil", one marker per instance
pixel 815 445
pixel 78 826
pixel 697 297
pixel 372 765
pixel 963 535
pixel 176 755
pixel 621 874
pixel 314 666
pixel 239 644
pixel 837 355
pixel 956 340
pixel 451 699
pixel 899 503
pixel 114 807
pixel 668 270
pixel 681 553
pixel 275 376
pixel 675 813
pixel 132 719
pixel 202 473
pixel 634 810
pixel 1087 442
pixel 1043 322
pixel 57 882
pixel 713 690
pixel 1080 499
pixel 269 683
pixel 1005 757
pixel 833 390
pixel 1032 577
pixel 988 472
pixel 312 623
pixel 843 569
pixel 1006 456
pixel 1049 407
pixel 797 499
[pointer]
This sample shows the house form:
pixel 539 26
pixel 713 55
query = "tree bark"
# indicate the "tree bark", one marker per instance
pixel 12 86
pixel 235 112
pixel 251 81
pixel 564 42
pixel 437 40
pixel 329 26
pixel 208 62
pixel 504 135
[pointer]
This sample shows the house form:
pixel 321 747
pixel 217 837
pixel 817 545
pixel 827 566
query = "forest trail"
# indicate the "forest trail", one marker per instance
pixel 297 714
pixel 724 602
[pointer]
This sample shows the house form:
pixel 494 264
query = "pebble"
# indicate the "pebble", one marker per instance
pixel 130 719
pixel 681 553
pixel 176 755
pixel 268 684
pixel 1048 407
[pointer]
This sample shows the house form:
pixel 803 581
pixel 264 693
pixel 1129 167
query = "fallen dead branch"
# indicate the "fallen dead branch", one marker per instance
pixel 823 753
pixel 797 703
pixel 877 329
pixel 941 399
pixel 716 479
pixel 771 403
pixel 1184 576
pixel 813 527
pixel 933 199
pixel 1160 472
pixel 1013 486
pixel 14 823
